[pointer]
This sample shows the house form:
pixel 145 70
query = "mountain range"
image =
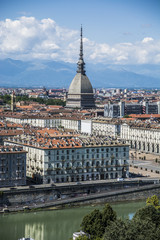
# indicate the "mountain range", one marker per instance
pixel 52 74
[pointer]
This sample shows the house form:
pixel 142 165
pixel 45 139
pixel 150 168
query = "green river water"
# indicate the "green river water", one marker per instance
pixel 54 224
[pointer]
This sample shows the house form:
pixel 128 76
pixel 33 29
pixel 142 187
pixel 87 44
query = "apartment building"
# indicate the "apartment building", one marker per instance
pixel 142 136
pixel 12 166
pixel 71 158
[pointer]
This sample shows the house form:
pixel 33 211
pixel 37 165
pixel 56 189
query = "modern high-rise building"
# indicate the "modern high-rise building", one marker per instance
pixel 80 94
pixel 120 109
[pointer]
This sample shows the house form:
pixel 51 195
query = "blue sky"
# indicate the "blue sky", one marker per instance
pixel 116 31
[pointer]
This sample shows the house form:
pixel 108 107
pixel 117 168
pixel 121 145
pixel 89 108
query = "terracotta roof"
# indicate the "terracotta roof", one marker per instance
pixel 10 132
pixel 145 115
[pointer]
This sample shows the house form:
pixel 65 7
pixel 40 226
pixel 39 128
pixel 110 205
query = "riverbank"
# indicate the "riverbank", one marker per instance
pixel 118 195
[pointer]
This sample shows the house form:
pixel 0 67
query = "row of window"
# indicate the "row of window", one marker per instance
pixel 95 150
pixel 93 156
pixel 88 164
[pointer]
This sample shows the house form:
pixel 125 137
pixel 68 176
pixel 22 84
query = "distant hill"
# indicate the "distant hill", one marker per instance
pixel 16 73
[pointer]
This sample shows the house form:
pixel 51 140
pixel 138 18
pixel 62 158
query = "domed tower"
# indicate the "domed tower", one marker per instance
pixel 80 93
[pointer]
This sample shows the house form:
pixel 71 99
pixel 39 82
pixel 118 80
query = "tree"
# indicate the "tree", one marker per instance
pixel 92 224
pixel 116 230
pixel 96 222
pixel 154 201
pixel 149 213
pixel 108 215
pixel 131 230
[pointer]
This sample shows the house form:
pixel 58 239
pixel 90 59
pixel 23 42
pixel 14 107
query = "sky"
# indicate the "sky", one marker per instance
pixel 114 31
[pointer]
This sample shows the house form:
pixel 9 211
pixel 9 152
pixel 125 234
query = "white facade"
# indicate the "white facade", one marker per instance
pixel 91 161
pixel 36 122
pixel 105 128
pixel 74 124
pixel 86 126
pixel 51 122
pixel 142 138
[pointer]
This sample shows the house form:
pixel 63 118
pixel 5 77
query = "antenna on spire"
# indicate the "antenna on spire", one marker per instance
pixel 81 63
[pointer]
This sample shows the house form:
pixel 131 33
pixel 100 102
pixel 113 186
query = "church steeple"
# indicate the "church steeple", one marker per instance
pixel 81 63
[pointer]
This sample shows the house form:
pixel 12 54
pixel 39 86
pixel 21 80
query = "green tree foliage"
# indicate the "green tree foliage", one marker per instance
pixel 127 116
pixel 95 223
pixel 149 213
pixel 132 230
pixel 116 230
pixel 154 201
pixel 92 224
pixel 7 99
pixel 105 225
pixel 108 215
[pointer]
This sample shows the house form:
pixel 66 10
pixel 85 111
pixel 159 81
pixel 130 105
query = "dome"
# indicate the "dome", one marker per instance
pixel 80 84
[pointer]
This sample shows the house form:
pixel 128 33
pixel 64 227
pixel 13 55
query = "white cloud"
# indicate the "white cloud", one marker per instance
pixel 28 38
pixel 147 39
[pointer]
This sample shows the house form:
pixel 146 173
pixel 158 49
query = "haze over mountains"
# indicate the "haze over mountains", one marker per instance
pixel 52 74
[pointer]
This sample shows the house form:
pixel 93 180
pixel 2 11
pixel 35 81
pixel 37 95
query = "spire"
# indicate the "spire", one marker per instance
pixel 81 63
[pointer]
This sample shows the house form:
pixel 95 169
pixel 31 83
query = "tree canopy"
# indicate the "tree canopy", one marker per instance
pixel 95 223
pixel 7 99
pixel 154 201
pixel 104 225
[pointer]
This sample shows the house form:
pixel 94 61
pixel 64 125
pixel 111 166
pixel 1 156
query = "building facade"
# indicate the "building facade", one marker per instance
pixel 12 166
pixel 120 109
pixel 101 127
pixel 74 158
pixel 143 138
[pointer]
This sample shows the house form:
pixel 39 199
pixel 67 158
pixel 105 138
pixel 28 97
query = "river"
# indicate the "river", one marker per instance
pixel 54 224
